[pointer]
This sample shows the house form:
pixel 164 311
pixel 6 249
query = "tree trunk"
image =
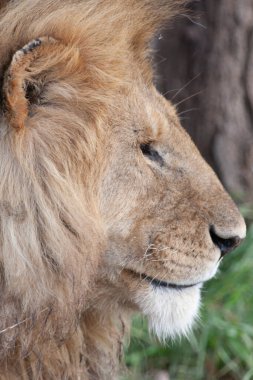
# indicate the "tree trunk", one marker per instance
pixel 206 67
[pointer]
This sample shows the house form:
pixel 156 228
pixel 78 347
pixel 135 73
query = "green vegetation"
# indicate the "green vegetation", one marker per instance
pixel 222 345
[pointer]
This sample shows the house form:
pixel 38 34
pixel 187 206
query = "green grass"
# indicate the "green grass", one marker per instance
pixel 222 345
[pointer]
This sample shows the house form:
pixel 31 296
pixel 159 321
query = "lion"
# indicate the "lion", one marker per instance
pixel 106 206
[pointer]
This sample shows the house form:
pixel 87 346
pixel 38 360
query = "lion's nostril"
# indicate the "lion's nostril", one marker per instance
pixel 225 245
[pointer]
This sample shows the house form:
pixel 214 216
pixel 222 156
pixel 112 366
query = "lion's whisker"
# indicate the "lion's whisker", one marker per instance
pixel 188 98
pixel 185 86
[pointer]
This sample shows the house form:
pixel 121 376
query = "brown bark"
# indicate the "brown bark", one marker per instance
pixel 210 52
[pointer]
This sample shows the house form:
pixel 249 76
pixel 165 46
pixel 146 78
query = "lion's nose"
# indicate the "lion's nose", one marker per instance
pixel 226 245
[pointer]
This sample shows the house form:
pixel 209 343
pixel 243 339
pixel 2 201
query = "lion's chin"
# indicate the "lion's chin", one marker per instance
pixel 171 313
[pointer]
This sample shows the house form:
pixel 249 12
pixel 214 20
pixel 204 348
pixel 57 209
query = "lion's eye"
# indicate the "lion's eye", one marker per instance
pixel 151 153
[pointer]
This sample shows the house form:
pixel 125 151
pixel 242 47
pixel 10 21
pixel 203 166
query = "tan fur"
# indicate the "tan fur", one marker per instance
pixel 83 213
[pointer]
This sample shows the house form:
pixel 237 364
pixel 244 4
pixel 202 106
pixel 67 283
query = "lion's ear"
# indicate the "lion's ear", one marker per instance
pixel 28 74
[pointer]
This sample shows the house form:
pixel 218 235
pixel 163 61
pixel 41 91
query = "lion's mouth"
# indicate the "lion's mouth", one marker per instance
pixel 156 283
pixel 163 284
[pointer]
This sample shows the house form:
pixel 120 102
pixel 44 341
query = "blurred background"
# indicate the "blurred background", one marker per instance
pixel 204 64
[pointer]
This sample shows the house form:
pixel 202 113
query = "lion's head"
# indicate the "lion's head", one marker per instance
pixel 106 204
pixel 168 220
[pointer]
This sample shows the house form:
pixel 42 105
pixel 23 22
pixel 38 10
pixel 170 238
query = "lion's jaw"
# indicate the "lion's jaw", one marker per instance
pixel 171 309
pixel 170 312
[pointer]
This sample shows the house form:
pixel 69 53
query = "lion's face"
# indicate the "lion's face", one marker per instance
pixel 168 220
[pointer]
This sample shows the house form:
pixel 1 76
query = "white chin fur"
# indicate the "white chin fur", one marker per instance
pixel 170 312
